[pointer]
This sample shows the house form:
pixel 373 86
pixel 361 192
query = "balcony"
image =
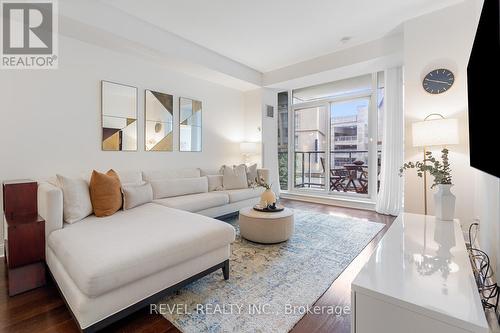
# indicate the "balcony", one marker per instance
pixel 348 170
pixel 345 138
pixel 345 119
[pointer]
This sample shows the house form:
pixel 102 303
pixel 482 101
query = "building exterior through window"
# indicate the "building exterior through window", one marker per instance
pixel 336 135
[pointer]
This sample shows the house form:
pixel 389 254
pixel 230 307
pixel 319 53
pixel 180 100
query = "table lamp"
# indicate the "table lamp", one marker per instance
pixel 247 149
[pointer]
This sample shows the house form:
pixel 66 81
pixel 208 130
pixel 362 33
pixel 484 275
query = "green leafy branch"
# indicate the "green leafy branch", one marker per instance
pixel 439 169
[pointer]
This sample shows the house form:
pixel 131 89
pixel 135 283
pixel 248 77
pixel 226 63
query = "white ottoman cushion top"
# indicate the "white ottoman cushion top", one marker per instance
pixel 266 227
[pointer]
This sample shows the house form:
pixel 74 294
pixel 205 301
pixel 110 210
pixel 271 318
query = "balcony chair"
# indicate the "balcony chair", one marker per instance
pixel 337 177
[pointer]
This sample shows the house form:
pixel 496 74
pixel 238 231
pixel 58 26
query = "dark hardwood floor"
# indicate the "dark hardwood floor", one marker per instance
pixel 43 310
pixel 339 293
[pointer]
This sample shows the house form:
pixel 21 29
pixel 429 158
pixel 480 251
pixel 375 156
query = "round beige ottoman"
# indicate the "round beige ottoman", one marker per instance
pixel 264 227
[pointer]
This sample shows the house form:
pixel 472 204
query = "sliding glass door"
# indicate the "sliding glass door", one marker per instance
pixel 349 145
pixel 310 146
pixel 333 146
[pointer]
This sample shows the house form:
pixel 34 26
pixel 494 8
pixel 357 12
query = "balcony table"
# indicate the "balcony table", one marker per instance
pixel 353 176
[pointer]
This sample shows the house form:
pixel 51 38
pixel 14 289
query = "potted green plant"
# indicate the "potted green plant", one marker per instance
pixel 440 169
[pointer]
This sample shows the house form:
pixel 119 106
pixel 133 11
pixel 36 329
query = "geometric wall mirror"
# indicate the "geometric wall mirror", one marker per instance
pixel 190 134
pixel 159 121
pixel 119 117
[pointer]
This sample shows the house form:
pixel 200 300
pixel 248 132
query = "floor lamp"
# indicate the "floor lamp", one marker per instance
pixel 434 130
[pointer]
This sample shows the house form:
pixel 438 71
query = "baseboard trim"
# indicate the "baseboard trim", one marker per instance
pixel 356 204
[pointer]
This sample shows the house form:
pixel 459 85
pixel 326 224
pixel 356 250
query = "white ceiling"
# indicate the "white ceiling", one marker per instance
pixel 270 34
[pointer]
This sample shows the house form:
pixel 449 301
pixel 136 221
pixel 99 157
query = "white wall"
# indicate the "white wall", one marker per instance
pixel 263 129
pixel 270 137
pixel 50 120
pixel 487 212
pixel 444 39
pixel 441 39
pixel 253 124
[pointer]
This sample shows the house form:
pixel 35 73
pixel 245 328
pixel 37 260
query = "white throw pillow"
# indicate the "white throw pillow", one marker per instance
pixel 234 177
pixel 252 175
pixel 136 195
pixel 167 188
pixel 215 183
pixel 76 198
pixel 130 177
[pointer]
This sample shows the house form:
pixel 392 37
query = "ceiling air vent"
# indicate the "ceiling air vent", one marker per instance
pixel 270 111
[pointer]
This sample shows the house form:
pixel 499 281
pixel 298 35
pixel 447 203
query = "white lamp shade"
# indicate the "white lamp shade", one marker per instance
pixel 438 132
pixel 248 148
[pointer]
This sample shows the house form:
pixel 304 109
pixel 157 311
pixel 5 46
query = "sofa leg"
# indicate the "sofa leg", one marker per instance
pixel 225 270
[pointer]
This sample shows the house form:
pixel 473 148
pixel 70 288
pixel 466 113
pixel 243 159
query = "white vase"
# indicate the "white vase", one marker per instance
pixel 267 198
pixel 444 202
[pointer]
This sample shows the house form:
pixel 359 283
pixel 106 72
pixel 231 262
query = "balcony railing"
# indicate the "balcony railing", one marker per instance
pixel 345 119
pixel 344 176
pixel 346 138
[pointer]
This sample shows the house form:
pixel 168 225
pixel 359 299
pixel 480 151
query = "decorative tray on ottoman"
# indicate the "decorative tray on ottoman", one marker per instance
pixel 279 208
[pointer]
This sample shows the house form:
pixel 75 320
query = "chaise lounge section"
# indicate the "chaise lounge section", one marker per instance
pixel 108 267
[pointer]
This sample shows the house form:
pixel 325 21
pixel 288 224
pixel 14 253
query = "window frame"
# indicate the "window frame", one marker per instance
pixel 372 95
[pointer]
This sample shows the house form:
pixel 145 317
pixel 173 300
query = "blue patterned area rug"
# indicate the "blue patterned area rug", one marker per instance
pixel 270 286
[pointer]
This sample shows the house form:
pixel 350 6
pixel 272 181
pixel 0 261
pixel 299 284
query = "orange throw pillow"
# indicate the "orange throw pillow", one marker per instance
pixel 105 193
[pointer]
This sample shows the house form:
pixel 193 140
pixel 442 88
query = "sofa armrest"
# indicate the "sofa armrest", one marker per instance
pixel 263 174
pixel 50 206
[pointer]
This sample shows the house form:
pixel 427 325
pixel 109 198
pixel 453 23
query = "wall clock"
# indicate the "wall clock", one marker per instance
pixel 438 81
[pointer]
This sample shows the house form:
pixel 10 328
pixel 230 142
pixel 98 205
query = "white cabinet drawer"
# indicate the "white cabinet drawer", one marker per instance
pixel 376 316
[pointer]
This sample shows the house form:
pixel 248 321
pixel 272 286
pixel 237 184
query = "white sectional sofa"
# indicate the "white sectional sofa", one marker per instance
pixel 109 267
pixel 197 198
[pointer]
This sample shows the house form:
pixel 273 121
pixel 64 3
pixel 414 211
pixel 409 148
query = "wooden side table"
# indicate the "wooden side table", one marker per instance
pixel 24 238
pixel 25 254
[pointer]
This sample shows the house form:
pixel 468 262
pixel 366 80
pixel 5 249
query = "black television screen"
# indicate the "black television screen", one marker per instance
pixel 483 84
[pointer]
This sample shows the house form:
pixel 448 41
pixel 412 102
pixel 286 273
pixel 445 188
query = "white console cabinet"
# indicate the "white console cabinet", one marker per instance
pixel 418 280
